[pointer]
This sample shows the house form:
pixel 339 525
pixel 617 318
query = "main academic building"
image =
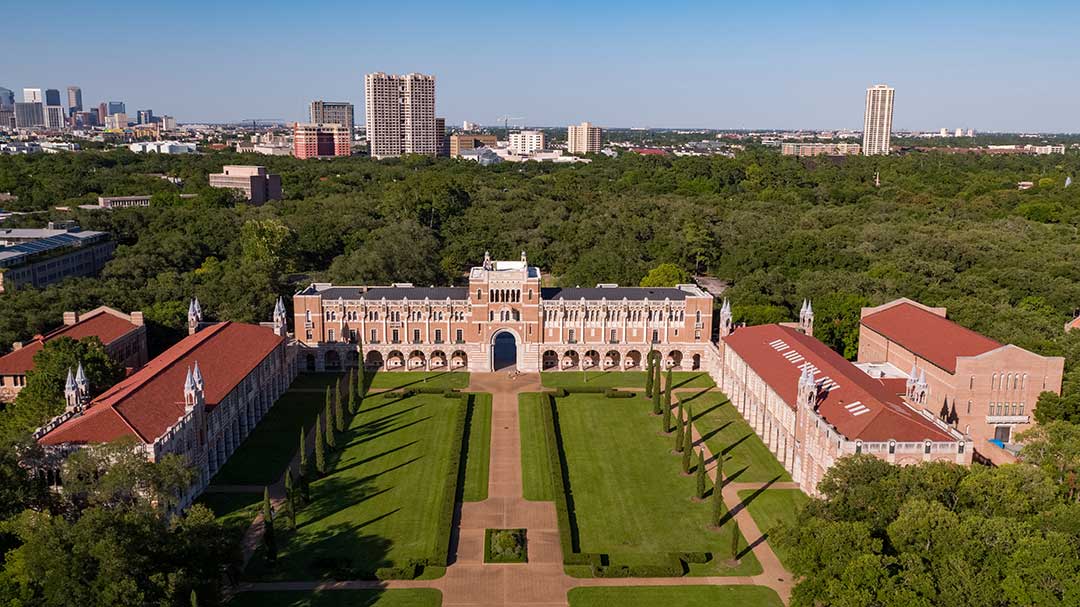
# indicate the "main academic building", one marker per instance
pixel 504 316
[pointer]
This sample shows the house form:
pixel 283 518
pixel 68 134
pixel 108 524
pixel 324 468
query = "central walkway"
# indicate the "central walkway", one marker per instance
pixel 541 582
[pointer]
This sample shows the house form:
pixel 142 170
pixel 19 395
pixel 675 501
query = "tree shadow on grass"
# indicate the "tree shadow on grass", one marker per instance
pixel 369 378
pixel 688 379
pixel 696 395
pixel 711 433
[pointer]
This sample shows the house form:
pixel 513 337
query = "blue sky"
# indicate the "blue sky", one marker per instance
pixel 661 64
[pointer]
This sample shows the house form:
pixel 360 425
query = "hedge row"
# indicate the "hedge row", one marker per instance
pixel 607 392
pixel 446 516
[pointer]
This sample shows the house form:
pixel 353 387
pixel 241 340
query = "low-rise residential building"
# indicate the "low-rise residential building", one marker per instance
pixel 988 388
pixel 163 147
pixel 257 185
pixel 820 149
pixel 199 400
pixel 123 335
pixel 38 257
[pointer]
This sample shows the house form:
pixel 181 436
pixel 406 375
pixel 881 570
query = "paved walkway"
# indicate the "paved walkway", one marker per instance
pixel 541 582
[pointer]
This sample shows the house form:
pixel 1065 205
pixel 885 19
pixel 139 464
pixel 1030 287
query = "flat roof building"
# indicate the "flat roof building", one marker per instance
pixel 332 112
pixel 400 113
pixel 583 138
pixel 320 140
pixel 257 185
pixel 877 120
pixel 527 142
pixel 39 257
pixel 462 142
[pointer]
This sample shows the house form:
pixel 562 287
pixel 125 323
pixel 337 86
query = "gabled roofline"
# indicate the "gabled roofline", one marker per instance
pixel 864 312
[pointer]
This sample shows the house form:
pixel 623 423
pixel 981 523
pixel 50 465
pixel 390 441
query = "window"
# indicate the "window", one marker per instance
pixel 307 315
pixel 309 336
pixel 697 335
pixel 330 335
pixel 438 336
pixel 926 447
pixel 458 336
pixel 373 340
pixel 570 336
pixel 614 336
pixel 530 294
pixel 960 447
pixel 416 336
pixel 395 336
pixel 655 336
pixel 479 294
pixel 697 316
pixel 892 447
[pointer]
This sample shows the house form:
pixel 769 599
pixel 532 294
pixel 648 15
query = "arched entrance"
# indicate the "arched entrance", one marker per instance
pixel 503 350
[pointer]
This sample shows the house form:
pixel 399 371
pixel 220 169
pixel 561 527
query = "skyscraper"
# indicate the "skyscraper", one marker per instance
pixel 74 99
pixel 400 113
pixel 32 96
pixel 145 116
pixel 877 122
pixel 29 114
pixel 583 138
pixel 54 116
pixel 102 112
pixel 52 97
pixel 332 112
pixel 116 107
pixel 7 98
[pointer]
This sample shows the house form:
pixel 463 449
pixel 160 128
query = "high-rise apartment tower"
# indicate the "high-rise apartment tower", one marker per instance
pixel 332 112
pixel 877 122
pixel 583 138
pixel 400 114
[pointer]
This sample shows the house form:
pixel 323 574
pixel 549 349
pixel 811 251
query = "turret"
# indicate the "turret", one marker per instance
pixel 807 393
pixel 487 260
pixel 71 393
pixel 726 326
pixel 280 319
pixel 197 378
pixel 806 318
pixel 921 389
pixel 194 316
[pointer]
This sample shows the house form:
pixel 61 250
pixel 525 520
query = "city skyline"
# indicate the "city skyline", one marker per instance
pixel 731 67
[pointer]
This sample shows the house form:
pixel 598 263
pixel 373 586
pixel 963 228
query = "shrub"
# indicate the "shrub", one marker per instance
pixel 584 390
pixel 453 475
pixel 405 572
pixel 695 557
pixel 505 546
pixel 649 565
pixel 614 393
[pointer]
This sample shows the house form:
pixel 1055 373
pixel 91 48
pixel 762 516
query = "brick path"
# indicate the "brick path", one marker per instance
pixel 541 582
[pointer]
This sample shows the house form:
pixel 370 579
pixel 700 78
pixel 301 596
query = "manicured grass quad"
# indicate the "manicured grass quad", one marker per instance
pixel 380 503
pixel 397 380
pixel 620 379
pixel 234 510
pixel 629 495
pixel 535 464
pixel 746 458
pixel 683 596
pixel 772 507
pixel 262 457
pixel 412 597
pixel 479 454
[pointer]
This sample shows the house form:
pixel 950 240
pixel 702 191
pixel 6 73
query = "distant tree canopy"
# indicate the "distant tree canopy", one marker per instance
pixel 665 275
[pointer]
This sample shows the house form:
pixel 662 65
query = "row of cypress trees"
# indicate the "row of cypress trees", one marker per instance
pixel 333 421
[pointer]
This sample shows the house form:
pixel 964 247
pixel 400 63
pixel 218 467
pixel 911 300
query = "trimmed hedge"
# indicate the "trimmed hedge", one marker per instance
pixel 614 393
pixel 585 390
pixel 695 557
pixel 651 565
pixel 406 572
pixel 453 477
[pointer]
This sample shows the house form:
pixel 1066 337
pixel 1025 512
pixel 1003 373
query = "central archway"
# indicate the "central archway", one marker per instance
pixel 503 351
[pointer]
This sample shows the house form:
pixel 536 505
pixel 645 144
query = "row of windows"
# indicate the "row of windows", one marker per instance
pixel 618 314
pixel 392 316
pixel 1006 408
pixel 1007 381
pixel 395 336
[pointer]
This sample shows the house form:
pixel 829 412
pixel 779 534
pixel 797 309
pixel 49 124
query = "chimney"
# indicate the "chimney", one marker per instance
pixel 71 318
pixel 137 318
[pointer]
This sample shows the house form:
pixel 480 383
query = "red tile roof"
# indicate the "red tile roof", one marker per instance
pixel 857 405
pixel 927 335
pixel 151 400
pixel 107 326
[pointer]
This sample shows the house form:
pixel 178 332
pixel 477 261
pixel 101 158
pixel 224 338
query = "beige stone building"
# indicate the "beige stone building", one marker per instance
pixel 988 389
pixel 877 120
pixel 400 113
pixel 527 142
pixel 583 138
pixel 257 185
pixel 820 149
pixel 504 317
pixel 332 112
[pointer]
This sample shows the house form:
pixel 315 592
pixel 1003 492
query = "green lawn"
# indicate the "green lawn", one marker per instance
pixel 393 380
pixel 379 505
pixel 683 596
pixel 772 507
pixel 476 465
pixel 535 467
pixel 630 496
pixel 746 458
pixel 621 379
pixel 412 597
pixel 262 457
pixel 234 510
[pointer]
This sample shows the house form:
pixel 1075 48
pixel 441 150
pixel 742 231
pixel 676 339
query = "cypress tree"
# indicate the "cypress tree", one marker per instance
pixel 320 447
pixel 680 432
pixel 194 599
pixel 700 474
pixel 717 498
pixel 339 410
pixel 687 447
pixel 734 540
pixel 268 527
pixel 656 405
pixel 328 428
pixel 352 392
pixel 649 375
pixel 290 498
pixel 303 451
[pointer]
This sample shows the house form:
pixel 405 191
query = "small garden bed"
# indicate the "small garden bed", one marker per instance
pixel 505 546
